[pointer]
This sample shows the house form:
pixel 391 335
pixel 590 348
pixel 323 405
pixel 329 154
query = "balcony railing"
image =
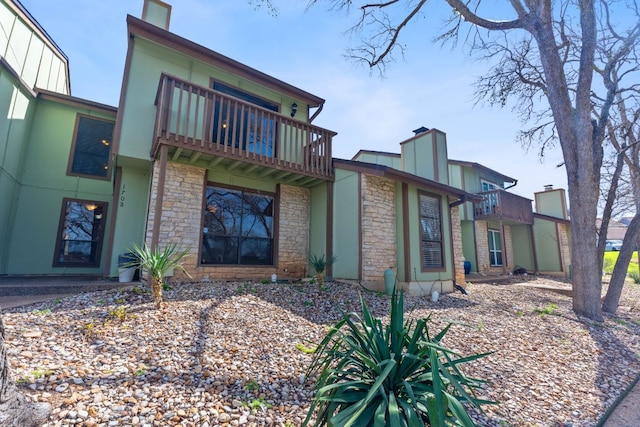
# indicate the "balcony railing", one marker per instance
pixel 197 118
pixel 499 204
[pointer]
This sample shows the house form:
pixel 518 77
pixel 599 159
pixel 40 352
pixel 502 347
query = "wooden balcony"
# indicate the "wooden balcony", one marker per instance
pixel 200 122
pixel 501 205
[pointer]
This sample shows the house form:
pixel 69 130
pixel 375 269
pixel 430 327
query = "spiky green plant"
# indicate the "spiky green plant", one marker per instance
pixel 393 375
pixel 157 263
pixel 320 265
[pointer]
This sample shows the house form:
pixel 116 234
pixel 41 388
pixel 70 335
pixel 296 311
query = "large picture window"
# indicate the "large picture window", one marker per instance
pixel 91 148
pixel 431 245
pixel 238 227
pixel 80 233
pixel 245 128
pixel 495 248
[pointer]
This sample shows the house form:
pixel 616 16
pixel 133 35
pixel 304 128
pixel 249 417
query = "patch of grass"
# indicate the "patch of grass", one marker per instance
pixel 57 301
pixel 550 308
pixel 252 385
pixel 635 277
pixel 620 321
pixel 610 258
pixel 256 404
pixel 307 350
pixel 307 303
pixel 42 313
pixel 120 313
pixel 140 372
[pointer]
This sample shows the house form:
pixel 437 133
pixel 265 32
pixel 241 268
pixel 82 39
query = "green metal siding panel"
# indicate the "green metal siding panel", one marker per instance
pixel 346 237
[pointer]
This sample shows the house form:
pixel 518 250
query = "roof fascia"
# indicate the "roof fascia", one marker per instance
pixel 478 166
pixel 75 102
pixel 396 175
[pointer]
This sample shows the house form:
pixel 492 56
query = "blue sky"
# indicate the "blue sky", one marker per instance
pixel 431 86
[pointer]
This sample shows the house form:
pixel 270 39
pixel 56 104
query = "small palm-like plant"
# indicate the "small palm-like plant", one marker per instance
pixel 320 264
pixel 393 375
pixel 157 263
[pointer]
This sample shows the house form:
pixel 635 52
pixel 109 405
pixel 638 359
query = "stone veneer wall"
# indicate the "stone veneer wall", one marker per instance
pixel 181 210
pixel 182 219
pixel 482 246
pixel 293 239
pixel 378 228
pixel 458 255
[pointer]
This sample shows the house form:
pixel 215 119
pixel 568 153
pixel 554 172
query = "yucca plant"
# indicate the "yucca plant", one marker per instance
pixel 320 264
pixel 393 375
pixel 157 263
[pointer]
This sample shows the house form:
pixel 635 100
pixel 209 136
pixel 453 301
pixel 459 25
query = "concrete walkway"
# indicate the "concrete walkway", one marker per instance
pixel 25 290
pixel 627 412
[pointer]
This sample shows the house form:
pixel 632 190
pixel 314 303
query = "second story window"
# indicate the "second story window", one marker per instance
pixel 242 126
pixel 91 148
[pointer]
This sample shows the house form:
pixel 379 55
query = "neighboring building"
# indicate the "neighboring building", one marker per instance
pixel 225 159
pixel 501 233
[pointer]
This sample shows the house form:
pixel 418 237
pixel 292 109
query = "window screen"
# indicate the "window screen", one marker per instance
pixel 430 232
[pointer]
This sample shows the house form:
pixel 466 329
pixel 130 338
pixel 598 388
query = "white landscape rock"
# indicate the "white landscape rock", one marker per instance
pixel 225 353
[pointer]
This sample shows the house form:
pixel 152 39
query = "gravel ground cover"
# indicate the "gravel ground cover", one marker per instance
pixel 228 354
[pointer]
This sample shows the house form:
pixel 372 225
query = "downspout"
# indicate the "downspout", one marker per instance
pixel 318 111
pixel 512 185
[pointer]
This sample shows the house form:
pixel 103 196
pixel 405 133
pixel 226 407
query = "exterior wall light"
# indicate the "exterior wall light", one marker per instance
pixel 294 109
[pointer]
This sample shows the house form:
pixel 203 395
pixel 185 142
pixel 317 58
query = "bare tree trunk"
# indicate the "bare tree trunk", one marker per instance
pixel 15 410
pixel 612 299
pixel 156 289
pixel 586 278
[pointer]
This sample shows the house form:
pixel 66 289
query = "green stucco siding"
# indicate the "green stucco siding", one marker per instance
pixel 133 202
pixel 547 251
pixel 429 277
pixel 442 160
pixel 16 112
pixel 346 237
pixel 318 223
pixel 393 161
pixel 469 243
pixel 43 185
pixel 522 247
pixel 148 62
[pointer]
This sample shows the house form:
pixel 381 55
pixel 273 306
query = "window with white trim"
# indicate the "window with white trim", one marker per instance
pixel 495 248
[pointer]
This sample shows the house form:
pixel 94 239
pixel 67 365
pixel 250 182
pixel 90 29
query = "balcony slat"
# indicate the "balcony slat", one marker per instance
pixel 208 121
pixel 500 204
